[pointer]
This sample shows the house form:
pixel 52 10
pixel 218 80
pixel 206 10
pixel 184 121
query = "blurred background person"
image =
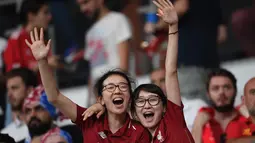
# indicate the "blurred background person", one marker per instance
pixel 19 82
pixel 243 131
pixel 38 116
pixel 33 13
pixel 107 41
pixel 211 122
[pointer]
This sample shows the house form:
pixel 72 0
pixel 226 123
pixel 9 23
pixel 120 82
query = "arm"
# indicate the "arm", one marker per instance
pixel 40 52
pixel 199 123
pixel 168 13
pixel 124 54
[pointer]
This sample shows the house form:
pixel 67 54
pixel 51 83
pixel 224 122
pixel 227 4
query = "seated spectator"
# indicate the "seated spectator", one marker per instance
pixel 33 13
pixel 211 122
pixel 191 107
pixel 19 83
pixel 39 115
pixel 243 131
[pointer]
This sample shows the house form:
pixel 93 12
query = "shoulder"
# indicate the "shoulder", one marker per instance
pixel 118 16
pixel 209 110
pixel 16 34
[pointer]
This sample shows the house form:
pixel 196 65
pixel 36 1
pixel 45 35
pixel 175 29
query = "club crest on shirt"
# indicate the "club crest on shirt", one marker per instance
pixel 160 137
pixel 102 135
pixel 247 132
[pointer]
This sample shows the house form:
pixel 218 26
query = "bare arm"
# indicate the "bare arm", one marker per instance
pixel 197 130
pixel 65 105
pixel 123 48
pixel 168 13
pixel 40 52
pixel 172 88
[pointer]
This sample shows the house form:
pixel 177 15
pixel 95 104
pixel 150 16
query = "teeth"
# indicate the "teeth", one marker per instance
pixel 117 99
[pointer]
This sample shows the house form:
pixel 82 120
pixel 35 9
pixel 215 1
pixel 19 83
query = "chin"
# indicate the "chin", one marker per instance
pixel 148 125
pixel 119 111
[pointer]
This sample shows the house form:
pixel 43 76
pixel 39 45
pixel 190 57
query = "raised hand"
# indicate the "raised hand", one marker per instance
pixel 38 47
pixel 166 11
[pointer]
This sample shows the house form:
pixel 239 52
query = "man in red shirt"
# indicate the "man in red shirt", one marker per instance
pixel 243 131
pixel 211 122
pixel 33 13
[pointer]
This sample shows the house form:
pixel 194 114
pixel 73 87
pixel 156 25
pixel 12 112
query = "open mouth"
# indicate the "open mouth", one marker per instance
pixel 148 115
pixel 118 101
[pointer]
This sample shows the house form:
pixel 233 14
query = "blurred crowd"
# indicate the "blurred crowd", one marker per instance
pixel 208 92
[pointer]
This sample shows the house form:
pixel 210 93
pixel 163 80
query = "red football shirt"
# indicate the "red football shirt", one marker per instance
pixel 172 127
pixel 240 129
pixel 212 131
pixel 97 130
pixel 17 53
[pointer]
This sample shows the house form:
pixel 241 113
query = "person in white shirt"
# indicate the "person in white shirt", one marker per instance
pixel 107 41
pixel 191 106
pixel 19 83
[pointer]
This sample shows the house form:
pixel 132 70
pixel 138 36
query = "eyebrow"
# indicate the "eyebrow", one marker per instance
pixel 252 90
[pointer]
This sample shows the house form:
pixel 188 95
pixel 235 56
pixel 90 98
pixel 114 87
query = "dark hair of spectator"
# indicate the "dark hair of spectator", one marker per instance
pixel 30 6
pixel 152 88
pixel 5 138
pixel 98 88
pixel 221 72
pixel 29 77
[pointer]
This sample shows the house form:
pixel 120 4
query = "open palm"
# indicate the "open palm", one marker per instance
pixel 38 47
pixel 166 11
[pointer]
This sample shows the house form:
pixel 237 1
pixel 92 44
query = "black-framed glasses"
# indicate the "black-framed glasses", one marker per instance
pixel 153 101
pixel 111 87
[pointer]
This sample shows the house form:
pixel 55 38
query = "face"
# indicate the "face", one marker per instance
pixel 42 18
pixel 249 97
pixel 37 119
pixel 115 94
pixel 221 92
pixel 17 92
pixel 55 139
pixel 90 7
pixel 158 78
pixel 152 112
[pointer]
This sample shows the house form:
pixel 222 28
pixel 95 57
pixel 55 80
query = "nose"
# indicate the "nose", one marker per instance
pixel 33 113
pixel 117 90
pixel 147 105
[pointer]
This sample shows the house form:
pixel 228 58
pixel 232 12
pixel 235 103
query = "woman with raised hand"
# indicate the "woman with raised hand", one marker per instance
pixel 113 90
pixel 161 114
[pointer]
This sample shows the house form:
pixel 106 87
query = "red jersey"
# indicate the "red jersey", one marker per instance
pixel 240 129
pixel 17 53
pixel 212 131
pixel 97 130
pixel 172 127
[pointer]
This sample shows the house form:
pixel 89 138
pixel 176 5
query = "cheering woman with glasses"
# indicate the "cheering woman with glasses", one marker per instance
pixel 113 90
pixel 162 115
